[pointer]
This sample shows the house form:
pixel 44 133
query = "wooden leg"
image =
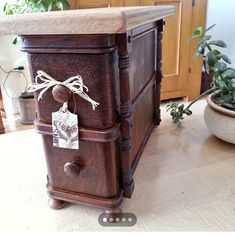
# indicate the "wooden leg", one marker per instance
pixel 113 211
pixel 56 204
pixel 128 189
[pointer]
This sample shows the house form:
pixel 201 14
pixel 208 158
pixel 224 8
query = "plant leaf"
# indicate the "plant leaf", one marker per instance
pixel 233 94
pixel 219 67
pixel 217 52
pixel 229 73
pixel 198 32
pixel 188 112
pixel 223 87
pixel 207 37
pixel 211 58
pixel 64 3
pixel 192 38
pixel 218 43
pixel 209 28
pixel 226 59
pixel 201 48
pixel 196 54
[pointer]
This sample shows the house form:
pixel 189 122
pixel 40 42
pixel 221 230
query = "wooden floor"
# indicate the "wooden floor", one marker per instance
pixel 185 181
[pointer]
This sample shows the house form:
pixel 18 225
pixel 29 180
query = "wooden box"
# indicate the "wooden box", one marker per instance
pixel 122 70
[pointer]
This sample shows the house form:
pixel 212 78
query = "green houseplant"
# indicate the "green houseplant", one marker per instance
pixel 23 6
pixel 219 114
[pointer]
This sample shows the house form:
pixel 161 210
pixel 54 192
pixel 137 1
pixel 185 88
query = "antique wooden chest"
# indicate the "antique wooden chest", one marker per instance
pixel 117 51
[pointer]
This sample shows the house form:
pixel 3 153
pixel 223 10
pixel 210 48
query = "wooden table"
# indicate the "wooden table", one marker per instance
pixel 117 51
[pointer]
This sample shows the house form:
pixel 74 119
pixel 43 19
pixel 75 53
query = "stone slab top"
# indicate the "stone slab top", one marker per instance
pixel 111 20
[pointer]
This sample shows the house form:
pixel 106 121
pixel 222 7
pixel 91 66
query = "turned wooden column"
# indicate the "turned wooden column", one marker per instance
pixel 159 74
pixel 124 51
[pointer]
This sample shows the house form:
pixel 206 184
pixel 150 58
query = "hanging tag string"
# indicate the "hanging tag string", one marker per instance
pixel 44 82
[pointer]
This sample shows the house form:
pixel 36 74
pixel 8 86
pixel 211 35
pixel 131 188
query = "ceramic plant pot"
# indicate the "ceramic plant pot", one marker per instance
pixel 220 121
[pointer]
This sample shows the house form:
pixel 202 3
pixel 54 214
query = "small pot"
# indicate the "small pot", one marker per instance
pixel 27 108
pixel 220 121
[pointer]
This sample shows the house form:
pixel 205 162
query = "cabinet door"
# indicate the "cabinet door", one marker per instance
pixel 175 47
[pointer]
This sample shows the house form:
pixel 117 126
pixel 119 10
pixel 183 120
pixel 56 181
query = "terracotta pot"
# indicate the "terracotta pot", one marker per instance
pixel 220 121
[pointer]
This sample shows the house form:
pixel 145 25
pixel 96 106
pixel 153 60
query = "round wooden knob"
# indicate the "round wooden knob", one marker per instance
pixel 72 169
pixel 61 93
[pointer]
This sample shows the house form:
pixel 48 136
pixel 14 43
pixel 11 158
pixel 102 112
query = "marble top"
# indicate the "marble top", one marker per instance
pixel 83 21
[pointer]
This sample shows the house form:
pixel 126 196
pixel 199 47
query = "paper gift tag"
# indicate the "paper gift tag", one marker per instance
pixel 65 130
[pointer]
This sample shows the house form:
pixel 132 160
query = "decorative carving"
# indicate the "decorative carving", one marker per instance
pixel 128 188
pixel 126 109
pixel 126 143
pixel 125 45
pixel 124 62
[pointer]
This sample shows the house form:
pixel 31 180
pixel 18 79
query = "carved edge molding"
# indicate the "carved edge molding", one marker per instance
pixel 158 73
pixel 126 111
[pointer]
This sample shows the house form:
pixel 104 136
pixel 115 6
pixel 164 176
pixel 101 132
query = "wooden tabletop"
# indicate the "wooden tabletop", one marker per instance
pixel 83 21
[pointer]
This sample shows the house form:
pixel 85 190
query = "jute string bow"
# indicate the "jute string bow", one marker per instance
pixel 43 82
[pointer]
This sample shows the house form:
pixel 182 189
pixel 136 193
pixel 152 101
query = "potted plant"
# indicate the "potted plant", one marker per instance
pixel 26 6
pixel 219 114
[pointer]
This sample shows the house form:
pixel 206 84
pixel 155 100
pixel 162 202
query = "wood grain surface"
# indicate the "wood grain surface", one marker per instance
pixel 83 21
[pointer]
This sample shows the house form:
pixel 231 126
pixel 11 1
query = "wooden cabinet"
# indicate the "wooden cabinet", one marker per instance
pixel 182 74
pixel 111 138
pixel 126 85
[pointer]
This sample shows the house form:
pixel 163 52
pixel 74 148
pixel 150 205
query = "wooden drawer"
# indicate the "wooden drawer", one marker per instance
pixel 98 163
pixel 97 63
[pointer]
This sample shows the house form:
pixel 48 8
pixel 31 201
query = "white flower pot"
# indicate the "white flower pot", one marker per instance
pixel 220 121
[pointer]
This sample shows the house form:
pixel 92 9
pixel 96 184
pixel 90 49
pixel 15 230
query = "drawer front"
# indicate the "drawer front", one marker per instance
pixel 143 61
pixel 91 170
pixel 143 119
pixel 98 73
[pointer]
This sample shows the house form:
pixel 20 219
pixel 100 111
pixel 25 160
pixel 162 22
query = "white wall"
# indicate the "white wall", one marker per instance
pixel 222 13
pixel 9 54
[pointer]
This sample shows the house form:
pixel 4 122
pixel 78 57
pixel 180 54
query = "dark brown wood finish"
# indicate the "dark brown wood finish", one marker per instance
pixel 159 74
pixel 123 74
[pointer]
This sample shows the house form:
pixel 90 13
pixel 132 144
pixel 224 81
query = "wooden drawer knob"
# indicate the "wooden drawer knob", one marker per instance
pixel 61 93
pixel 72 169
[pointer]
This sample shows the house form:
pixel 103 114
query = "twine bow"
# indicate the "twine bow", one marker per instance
pixel 43 82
